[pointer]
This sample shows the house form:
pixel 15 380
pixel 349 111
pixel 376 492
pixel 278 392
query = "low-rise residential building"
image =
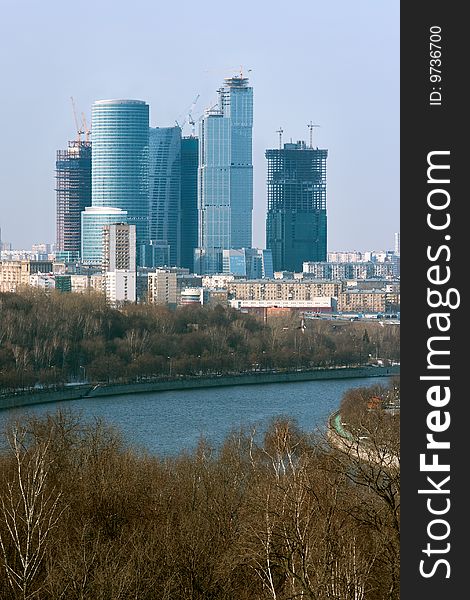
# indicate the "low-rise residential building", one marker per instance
pixel 42 281
pixel 283 289
pixel 16 273
pixel 218 281
pixel 318 304
pixel 368 301
pixel 191 295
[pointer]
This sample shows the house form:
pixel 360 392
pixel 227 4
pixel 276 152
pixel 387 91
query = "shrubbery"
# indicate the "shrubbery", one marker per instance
pixel 54 338
pixel 84 517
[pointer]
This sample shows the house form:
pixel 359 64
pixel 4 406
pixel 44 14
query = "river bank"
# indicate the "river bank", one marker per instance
pixel 113 389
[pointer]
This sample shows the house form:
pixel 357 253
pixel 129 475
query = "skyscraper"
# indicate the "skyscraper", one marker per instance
pixel 73 194
pixel 120 160
pixel 225 195
pixel 296 224
pixel 189 213
pixel 165 190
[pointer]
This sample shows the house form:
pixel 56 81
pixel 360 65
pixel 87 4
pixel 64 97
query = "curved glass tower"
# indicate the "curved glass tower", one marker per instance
pixel 119 168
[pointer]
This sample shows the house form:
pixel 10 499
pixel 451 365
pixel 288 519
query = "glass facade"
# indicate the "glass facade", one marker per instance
pixel 165 190
pixel 296 223
pixel 189 166
pixel 225 195
pixel 94 218
pixel 252 263
pixel 120 160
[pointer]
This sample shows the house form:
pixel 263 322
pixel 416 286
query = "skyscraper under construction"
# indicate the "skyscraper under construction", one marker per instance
pixel 225 195
pixel 296 224
pixel 73 194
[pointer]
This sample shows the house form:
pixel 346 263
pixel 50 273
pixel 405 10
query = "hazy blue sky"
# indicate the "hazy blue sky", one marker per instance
pixel 335 63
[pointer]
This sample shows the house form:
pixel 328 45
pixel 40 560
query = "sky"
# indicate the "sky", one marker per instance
pixel 335 64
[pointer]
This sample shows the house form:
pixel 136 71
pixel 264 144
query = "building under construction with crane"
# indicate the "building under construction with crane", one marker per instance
pixel 73 189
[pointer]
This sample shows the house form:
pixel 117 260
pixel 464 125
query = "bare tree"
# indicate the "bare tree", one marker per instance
pixel 30 511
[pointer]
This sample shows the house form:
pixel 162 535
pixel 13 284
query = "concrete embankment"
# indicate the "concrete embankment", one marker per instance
pixel 342 439
pixel 188 383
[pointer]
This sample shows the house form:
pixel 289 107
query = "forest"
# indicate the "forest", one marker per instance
pixel 49 339
pixel 280 515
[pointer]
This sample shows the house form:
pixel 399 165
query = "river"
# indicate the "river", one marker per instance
pixel 165 423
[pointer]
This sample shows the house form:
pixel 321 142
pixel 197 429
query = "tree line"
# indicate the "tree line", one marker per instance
pixel 51 339
pixel 279 514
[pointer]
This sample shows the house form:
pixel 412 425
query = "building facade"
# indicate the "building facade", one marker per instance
pixel 252 263
pixel 162 287
pixel 283 290
pixel 94 219
pixel 120 160
pixel 189 212
pixel 165 191
pixel 372 301
pixel 73 195
pixel 225 181
pixel 15 274
pixel 296 223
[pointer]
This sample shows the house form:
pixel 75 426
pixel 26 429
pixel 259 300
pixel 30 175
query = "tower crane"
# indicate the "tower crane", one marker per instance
pixel 311 126
pixel 189 118
pixel 79 130
pixel 86 129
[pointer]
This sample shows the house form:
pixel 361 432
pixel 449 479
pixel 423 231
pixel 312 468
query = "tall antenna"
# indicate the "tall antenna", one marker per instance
pixel 280 131
pixel 311 126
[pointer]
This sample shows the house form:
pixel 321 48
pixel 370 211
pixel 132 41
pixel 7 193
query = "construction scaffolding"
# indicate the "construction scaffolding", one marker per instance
pixel 73 193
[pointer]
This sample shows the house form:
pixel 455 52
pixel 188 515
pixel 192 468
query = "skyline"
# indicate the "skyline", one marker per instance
pixel 336 67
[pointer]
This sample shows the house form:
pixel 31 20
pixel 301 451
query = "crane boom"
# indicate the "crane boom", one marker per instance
pixel 79 130
pixel 86 129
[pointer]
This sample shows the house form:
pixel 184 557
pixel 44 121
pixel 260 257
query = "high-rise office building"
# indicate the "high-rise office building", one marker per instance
pixel 189 213
pixel 120 160
pixel 94 219
pixel 225 194
pixel 73 194
pixel 165 191
pixel 296 223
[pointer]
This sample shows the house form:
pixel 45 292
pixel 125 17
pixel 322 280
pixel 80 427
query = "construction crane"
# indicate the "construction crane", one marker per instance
pixel 79 130
pixel 86 129
pixel 188 116
pixel 192 122
pixel 280 131
pixel 311 126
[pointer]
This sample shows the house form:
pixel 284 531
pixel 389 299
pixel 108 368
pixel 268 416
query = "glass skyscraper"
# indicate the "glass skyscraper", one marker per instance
pixel 189 214
pixel 296 224
pixel 165 190
pixel 225 195
pixel 120 160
